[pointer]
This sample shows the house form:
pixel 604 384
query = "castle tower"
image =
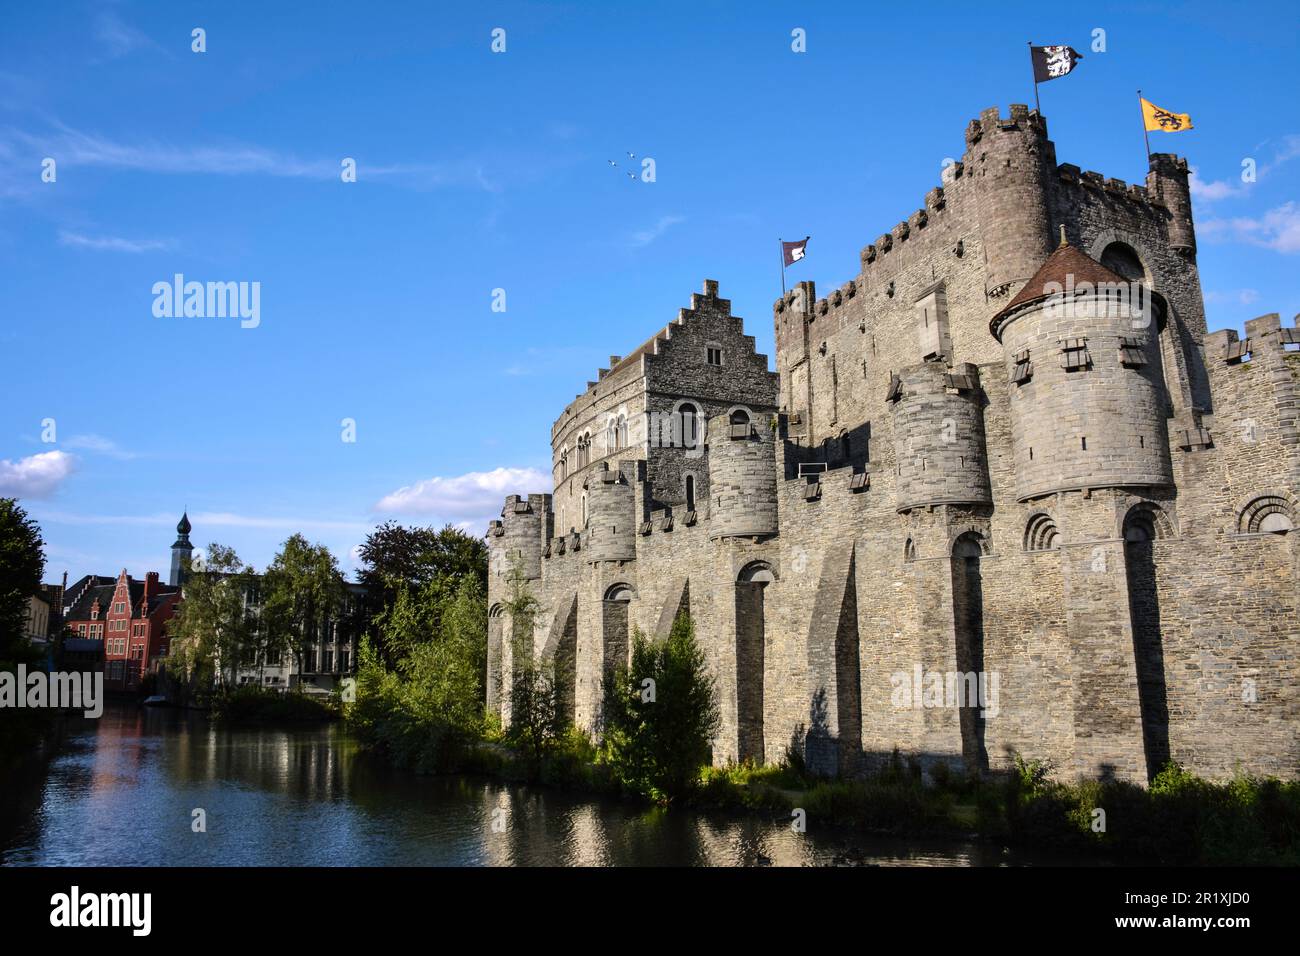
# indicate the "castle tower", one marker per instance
pixel 611 515
pixel 939 437
pixel 1087 396
pixel 742 476
pixel 516 540
pixel 1167 183
pixel 1010 161
pixel 181 550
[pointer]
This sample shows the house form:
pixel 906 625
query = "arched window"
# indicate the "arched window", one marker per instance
pixel 564 463
pixel 909 551
pixel 1041 533
pixel 1121 259
pixel 1266 514
pixel 618 592
pixel 756 572
pixel 620 433
pixel 611 435
pixel 739 417
pixel 689 424
pixel 690 492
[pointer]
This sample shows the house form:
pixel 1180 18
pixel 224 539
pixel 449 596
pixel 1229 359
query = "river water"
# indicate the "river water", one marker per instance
pixel 123 791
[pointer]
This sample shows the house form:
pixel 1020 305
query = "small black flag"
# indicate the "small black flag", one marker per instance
pixel 1053 62
pixel 792 252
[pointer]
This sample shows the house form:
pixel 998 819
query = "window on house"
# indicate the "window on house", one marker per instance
pixel 714 355
pixel 620 432
pixel 1131 352
pixel 1024 369
pixel 1074 355
pixel 689 416
pixel 739 424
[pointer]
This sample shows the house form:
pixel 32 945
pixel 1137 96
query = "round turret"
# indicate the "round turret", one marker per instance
pixel 516 541
pixel 1087 393
pixel 742 476
pixel 611 517
pixel 1167 183
pixel 939 437
pixel 1009 161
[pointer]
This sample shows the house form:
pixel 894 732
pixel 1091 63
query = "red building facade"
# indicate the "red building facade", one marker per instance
pixel 129 617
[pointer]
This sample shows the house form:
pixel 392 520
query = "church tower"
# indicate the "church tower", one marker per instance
pixel 181 549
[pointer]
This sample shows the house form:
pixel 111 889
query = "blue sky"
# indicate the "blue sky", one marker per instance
pixel 477 171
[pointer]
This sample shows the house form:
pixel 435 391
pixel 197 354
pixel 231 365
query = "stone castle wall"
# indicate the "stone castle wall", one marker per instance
pixel 1130 590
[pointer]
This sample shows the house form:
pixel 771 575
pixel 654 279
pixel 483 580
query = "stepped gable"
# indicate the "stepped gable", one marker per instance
pixel 1067 261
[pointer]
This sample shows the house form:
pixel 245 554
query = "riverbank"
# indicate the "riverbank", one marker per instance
pixel 1179 819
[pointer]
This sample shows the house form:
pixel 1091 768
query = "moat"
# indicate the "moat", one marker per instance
pixel 122 791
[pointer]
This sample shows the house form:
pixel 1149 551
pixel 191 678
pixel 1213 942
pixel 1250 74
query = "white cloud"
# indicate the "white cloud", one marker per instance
pixel 647 236
pixel 1278 229
pixel 202 520
pixel 1208 190
pixel 119 38
pixel 36 476
pixel 72 147
pixel 112 243
pixel 467 500
pixel 100 445
pixel 1233 296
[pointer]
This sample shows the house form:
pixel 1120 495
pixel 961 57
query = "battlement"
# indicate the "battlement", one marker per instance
pixel 1264 334
pixel 991 121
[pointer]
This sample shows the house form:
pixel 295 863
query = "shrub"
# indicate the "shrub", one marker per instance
pixel 660 715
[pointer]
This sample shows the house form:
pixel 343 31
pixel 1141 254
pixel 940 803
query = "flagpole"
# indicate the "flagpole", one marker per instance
pixel 1146 136
pixel 781 249
pixel 1038 106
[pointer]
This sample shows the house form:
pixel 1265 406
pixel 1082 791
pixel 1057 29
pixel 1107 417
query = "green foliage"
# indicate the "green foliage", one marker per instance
pixel 425 562
pixel 22 564
pixel 302 592
pixel 250 702
pixel 427 711
pixel 1180 819
pixel 660 715
pixel 211 631
pixel 536 722
pixel 747 785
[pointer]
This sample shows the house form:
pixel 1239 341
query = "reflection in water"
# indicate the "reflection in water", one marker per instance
pixel 123 791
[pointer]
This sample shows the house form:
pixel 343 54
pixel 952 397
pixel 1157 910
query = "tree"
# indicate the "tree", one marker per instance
pixel 302 594
pixel 212 631
pixel 22 565
pixel 535 720
pixel 427 562
pixel 661 714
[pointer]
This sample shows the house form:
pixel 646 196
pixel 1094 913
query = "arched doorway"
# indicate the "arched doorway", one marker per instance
pixel 615 614
pixel 492 679
pixel 968 627
pixel 1143 525
pixel 751 636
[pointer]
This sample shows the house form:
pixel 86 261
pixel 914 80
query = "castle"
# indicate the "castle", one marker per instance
pixel 1006 453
